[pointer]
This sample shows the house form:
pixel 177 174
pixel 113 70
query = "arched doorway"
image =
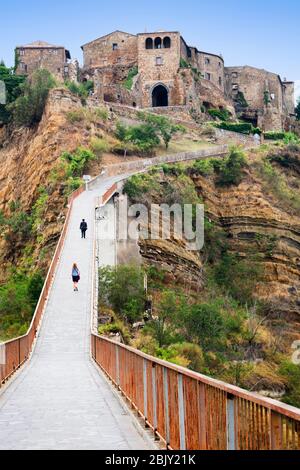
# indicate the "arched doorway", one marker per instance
pixel 160 96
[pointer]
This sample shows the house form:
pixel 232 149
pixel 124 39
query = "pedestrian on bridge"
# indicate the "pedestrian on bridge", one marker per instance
pixel 83 228
pixel 75 277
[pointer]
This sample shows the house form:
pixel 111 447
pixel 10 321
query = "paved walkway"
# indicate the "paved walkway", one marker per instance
pixel 60 400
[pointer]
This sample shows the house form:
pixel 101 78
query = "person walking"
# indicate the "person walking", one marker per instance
pixel 83 228
pixel 75 277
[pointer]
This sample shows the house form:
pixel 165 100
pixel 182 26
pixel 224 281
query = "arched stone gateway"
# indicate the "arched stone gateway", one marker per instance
pixel 160 96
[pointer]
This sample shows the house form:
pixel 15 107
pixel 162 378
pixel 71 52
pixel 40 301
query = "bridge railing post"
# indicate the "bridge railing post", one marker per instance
pixel 117 366
pixel 166 405
pixel 181 413
pixel 145 386
pixel 154 397
pixel 276 431
pixel 231 425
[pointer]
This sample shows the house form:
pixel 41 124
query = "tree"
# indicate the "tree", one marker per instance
pixel 203 322
pixel 163 126
pixel 239 277
pixel 144 137
pixel 297 110
pixel 28 108
pixel 162 327
pixel 231 172
pixel 122 288
pixel 13 86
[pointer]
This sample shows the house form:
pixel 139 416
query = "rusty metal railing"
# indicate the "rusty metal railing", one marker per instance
pixel 16 352
pixel 189 411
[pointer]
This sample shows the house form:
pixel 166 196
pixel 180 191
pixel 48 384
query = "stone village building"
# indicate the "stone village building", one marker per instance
pixel 160 69
pixel 42 55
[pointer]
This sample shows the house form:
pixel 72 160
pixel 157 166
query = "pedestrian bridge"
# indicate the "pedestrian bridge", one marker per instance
pixel 61 382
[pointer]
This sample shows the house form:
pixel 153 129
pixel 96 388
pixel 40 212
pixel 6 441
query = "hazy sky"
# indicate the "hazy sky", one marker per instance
pixel 262 33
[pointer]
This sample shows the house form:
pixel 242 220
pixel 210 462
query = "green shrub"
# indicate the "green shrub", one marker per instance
pixel 238 277
pixel 191 352
pixel 99 146
pixel 291 373
pixel 241 127
pixel 277 185
pixel 13 86
pixel 78 115
pixel 122 288
pixel 241 100
pixel 202 167
pixel 101 113
pixel 81 89
pixel 137 185
pixel 77 162
pixel 115 328
pixel 274 135
pixel 222 114
pixel 231 171
pixel 162 126
pixel 183 63
pixel 176 169
pixel 128 84
pixel 163 326
pixel 28 108
pixel 18 299
pixel 204 323
pixel 144 137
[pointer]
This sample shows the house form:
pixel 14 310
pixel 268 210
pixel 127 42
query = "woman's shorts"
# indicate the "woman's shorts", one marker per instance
pixel 76 279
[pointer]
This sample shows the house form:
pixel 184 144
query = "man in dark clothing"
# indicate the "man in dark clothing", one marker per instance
pixel 83 228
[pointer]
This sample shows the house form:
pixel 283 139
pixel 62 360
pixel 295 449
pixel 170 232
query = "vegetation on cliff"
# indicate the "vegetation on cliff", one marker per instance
pixel 222 328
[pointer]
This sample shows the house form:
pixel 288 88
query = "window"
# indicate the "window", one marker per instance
pixel 235 86
pixel 220 81
pixel 207 61
pixel 167 42
pixel 115 46
pixel 22 52
pixel 234 74
pixel 159 61
pixel 272 96
pixel 58 70
pixel 220 64
pixel 23 66
pixel 149 43
pixel 207 76
pixel 157 43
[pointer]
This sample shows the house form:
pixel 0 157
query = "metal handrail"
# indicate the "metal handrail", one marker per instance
pixel 191 411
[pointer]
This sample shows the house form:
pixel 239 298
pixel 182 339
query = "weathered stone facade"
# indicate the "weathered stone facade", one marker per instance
pixel 260 96
pixel 41 55
pixel 161 62
pixel 159 69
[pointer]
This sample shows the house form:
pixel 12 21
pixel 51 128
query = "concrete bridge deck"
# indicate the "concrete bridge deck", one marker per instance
pixel 59 400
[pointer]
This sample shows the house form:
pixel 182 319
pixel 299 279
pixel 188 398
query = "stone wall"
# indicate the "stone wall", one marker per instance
pixel 158 66
pixel 210 65
pixel 33 58
pixel 254 83
pixel 117 48
pixel 289 97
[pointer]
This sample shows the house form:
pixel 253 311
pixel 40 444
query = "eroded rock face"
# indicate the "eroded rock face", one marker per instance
pixel 27 157
pixel 256 225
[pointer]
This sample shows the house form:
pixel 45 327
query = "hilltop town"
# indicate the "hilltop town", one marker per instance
pixel 160 70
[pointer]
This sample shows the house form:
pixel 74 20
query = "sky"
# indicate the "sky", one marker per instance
pixel 261 33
